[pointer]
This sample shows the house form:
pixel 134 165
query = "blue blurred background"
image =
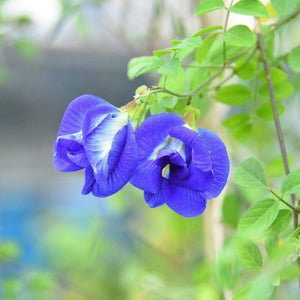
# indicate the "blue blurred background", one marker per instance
pixel 54 242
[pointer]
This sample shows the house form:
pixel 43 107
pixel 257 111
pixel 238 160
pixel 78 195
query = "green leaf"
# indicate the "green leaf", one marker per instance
pixel 278 76
pixel 265 111
pixel 216 53
pixel 291 184
pixel 284 7
pixel 234 94
pixel 269 41
pixel 248 254
pixel 231 210
pixel 207 43
pixel 293 59
pixel 193 42
pixel 242 293
pixel 250 174
pixel 140 65
pixel 250 8
pixel 163 52
pixel 281 90
pixel 207 30
pixel 281 222
pixel 271 244
pixel 206 6
pixel 245 70
pixel 170 68
pixel 258 217
pixel 236 121
pixel 174 82
pixel 240 35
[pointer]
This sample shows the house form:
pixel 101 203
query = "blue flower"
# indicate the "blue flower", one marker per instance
pixel 97 136
pixel 178 166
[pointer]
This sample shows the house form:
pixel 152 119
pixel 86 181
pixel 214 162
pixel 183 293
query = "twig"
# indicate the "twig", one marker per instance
pixel 275 112
pixel 157 89
pixel 224 30
pixel 204 66
pixel 277 123
pixel 295 209
pixel 283 21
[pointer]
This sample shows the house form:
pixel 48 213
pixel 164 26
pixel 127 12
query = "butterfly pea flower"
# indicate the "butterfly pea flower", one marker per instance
pixel 98 137
pixel 177 166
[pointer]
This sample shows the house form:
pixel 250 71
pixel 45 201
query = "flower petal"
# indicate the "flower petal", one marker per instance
pixel 200 154
pixel 96 115
pixel 150 137
pixel 112 181
pixel 74 115
pixel 69 153
pixel 191 177
pixel 220 162
pixel 154 200
pixel 89 181
pixel 147 176
pixel 98 142
pixel 186 202
pixel 154 131
pixel 166 156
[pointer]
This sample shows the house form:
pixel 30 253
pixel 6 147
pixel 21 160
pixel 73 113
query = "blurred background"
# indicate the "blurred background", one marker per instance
pixel 54 242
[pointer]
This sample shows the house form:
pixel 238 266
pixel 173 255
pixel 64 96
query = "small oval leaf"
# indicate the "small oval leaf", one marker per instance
pixel 293 59
pixel 265 111
pixel 250 174
pixel 206 6
pixel 236 121
pixel 240 35
pixel 281 222
pixel 250 8
pixel 248 254
pixel 234 94
pixel 258 217
pixel 291 183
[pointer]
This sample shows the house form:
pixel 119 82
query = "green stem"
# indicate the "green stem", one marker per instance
pixel 156 89
pixel 224 30
pixel 283 21
pixel 295 210
pixel 204 67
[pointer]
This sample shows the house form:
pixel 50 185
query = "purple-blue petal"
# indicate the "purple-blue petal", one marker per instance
pixel 191 178
pixel 75 113
pixel 69 153
pixel 166 156
pixel 154 131
pixel 96 115
pixel 110 178
pixel 220 162
pixel 147 176
pixel 154 200
pixel 98 141
pixel 89 181
pixel 184 201
pixel 149 136
pixel 200 154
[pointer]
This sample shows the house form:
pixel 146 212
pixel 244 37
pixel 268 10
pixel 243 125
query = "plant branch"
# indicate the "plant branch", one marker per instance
pixel 224 30
pixel 295 209
pixel 275 113
pixel 204 66
pixel 157 89
pixel 283 21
